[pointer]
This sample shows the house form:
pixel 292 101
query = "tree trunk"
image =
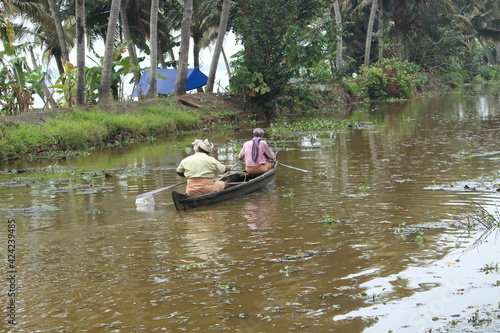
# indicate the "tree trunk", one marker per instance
pixel 80 51
pixel 380 32
pixel 228 68
pixel 54 12
pixel 59 64
pixel 172 57
pixel 489 56
pixel 180 82
pixel 161 57
pixel 104 92
pixel 130 47
pixel 196 55
pixel 226 4
pixel 48 95
pixel 153 43
pixel 369 32
pixel 497 48
pixel 338 21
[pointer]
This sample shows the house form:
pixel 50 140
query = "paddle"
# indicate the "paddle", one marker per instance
pixel 150 193
pixel 291 167
pixel 146 199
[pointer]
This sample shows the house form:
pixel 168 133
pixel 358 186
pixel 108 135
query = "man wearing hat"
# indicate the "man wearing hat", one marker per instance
pixel 200 169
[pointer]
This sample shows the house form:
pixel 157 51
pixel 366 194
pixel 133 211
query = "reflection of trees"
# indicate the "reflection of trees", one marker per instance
pixel 408 142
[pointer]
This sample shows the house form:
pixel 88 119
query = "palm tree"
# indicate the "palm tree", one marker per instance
pixel 380 30
pixel 43 28
pixel 54 12
pixel 153 36
pixel 127 36
pixel 108 53
pixel 37 15
pixel 204 20
pixel 338 21
pixel 169 22
pixel 180 81
pixel 48 99
pixel 224 17
pixel 369 31
pixel 80 54
pixel 481 19
pixel 408 17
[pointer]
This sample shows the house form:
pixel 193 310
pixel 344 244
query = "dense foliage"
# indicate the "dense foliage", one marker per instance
pixel 387 79
pixel 267 28
pixel 291 50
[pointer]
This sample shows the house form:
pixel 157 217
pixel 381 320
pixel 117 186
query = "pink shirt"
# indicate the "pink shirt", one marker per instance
pixel 265 153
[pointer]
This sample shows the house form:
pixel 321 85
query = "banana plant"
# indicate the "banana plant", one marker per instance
pixel 65 86
pixel 19 84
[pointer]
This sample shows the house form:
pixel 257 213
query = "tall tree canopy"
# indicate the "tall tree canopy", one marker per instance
pixel 266 29
pixel 320 41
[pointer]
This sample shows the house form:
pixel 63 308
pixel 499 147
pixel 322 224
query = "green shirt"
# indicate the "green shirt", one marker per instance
pixel 201 165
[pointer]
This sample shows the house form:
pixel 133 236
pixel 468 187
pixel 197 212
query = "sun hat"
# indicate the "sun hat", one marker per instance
pixel 205 145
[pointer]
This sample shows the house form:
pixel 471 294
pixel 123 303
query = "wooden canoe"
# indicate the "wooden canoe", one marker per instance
pixel 240 184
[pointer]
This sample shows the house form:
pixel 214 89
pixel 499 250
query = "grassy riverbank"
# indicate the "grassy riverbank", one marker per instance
pixel 42 132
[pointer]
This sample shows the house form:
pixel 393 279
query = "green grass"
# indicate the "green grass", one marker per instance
pixel 82 129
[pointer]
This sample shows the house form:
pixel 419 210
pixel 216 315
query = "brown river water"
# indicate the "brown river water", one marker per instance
pixel 372 239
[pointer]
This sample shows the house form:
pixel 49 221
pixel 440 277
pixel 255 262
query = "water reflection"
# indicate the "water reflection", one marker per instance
pixel 310 141
pixel 205 233
pixel 316 251
pixel 260 214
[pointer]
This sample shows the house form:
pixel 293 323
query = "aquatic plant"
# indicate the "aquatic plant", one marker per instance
pixel 226 288
pixel 420 239
pixel 475 320
pixel 287 270
pixel 31 210
pixel 479 215
pixel 94 212
pixel 231 148
pixel 489 268
pixel 364 187
pixel 286 129
pixel 330 220
pixel 190 266
pixel 402 229
pixel 374 296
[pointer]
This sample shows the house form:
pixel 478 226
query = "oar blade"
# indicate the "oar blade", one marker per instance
pixel 146 201
pixel 291 167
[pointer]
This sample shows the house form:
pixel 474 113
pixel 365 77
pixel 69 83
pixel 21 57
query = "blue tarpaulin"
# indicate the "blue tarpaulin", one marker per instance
pixel 195 79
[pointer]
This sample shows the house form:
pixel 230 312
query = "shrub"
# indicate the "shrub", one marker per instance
pixel 299 97
pixel 355 88
pixel 452 75
pixel 375 82
pixel 490 73
pixel 389 78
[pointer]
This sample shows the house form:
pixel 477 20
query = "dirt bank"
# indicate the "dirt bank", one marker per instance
pixel 212 102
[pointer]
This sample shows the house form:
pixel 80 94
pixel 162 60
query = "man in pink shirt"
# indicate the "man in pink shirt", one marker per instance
pixel 257 155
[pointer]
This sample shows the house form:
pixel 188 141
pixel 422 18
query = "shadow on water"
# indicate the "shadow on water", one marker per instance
pixel 372 239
